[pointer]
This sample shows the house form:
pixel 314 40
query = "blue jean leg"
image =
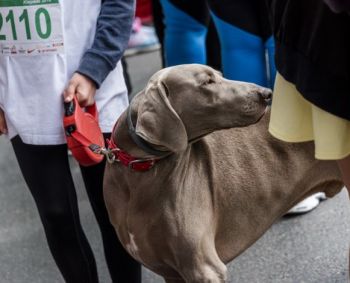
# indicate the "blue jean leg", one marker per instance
pixel 184 40
pixel 243 54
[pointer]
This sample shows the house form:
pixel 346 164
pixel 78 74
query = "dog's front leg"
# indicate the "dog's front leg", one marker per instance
pixel 202 264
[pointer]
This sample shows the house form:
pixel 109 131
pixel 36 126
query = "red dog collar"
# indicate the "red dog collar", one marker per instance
pixel 137 164
pixel 129 160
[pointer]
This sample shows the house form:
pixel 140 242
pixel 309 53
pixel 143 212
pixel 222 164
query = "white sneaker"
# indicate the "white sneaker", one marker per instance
pixel 307 204
pixel 142 39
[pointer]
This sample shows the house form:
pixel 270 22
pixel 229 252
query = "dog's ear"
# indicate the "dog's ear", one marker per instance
pixel 157 121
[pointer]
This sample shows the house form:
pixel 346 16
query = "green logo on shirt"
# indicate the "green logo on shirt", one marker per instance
pixel 15 16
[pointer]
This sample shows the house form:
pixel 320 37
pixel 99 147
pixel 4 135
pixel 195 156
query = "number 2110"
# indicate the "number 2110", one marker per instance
pixel 10 18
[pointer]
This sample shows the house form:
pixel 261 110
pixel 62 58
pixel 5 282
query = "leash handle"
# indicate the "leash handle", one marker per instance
pixel 70 108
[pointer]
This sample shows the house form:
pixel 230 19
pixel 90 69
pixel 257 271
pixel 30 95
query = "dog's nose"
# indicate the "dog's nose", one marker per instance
pixel 266 93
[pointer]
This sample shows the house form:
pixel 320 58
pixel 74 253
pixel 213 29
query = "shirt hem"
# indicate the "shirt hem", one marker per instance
pixel 287 138
pixel 320 155
pixel 42 139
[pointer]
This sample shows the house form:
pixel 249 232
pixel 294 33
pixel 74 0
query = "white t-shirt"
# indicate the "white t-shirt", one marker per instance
pixel 43 47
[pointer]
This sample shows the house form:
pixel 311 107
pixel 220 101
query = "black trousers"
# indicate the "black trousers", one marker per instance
pixel 47 174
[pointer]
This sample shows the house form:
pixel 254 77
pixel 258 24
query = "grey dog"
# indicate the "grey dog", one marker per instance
pixel 221 182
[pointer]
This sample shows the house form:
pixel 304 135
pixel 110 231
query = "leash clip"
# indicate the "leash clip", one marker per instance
pixel 108 153
pixel 110 156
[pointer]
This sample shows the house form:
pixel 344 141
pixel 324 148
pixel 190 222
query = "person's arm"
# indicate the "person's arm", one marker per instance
pixel 112 35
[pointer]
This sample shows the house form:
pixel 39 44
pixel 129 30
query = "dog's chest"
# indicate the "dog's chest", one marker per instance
pixel 132 247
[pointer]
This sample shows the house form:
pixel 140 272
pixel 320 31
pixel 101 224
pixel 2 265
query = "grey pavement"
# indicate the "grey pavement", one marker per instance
pixel 311 248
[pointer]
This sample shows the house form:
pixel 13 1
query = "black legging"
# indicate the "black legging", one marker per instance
pixel 47 174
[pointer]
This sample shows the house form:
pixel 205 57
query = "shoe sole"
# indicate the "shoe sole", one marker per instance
pixel 307 205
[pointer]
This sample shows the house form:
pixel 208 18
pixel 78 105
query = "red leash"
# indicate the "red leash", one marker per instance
pixel 83 134
pixel 85 140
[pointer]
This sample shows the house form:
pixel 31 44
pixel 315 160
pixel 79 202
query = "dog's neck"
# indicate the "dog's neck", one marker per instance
pixel 124 139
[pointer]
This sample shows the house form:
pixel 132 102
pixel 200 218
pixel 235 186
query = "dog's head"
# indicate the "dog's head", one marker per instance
pixel 186 102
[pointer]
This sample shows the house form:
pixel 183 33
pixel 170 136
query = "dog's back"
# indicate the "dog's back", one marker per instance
pixel 257 178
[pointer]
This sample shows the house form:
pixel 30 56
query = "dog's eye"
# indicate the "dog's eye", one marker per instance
pixel 209 81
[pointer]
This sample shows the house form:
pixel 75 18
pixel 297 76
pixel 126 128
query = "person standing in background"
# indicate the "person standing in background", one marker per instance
pixel 311 96
pixel 243 27
pixel 51 51
pixel 143 38
pixel 246 45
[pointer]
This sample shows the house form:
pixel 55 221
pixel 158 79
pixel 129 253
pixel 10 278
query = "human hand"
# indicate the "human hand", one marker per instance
pixel 3 125
pixel 84 89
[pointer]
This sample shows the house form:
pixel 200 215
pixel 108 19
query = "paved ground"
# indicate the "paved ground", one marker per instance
pixel 306 249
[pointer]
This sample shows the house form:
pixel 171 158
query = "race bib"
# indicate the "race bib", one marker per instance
pixel 30 27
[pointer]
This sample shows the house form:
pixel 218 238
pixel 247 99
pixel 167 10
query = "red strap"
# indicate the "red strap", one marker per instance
pixel 134 163
pixel 128 160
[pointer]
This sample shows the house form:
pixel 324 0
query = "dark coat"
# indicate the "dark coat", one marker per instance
pixel 313 51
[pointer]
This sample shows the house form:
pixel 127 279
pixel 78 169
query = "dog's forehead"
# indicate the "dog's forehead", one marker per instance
pixel 190 70
pixel 186 70
pixel 185 73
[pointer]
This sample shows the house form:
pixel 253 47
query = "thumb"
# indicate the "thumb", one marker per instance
pixel 69 92
pixel 3 125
